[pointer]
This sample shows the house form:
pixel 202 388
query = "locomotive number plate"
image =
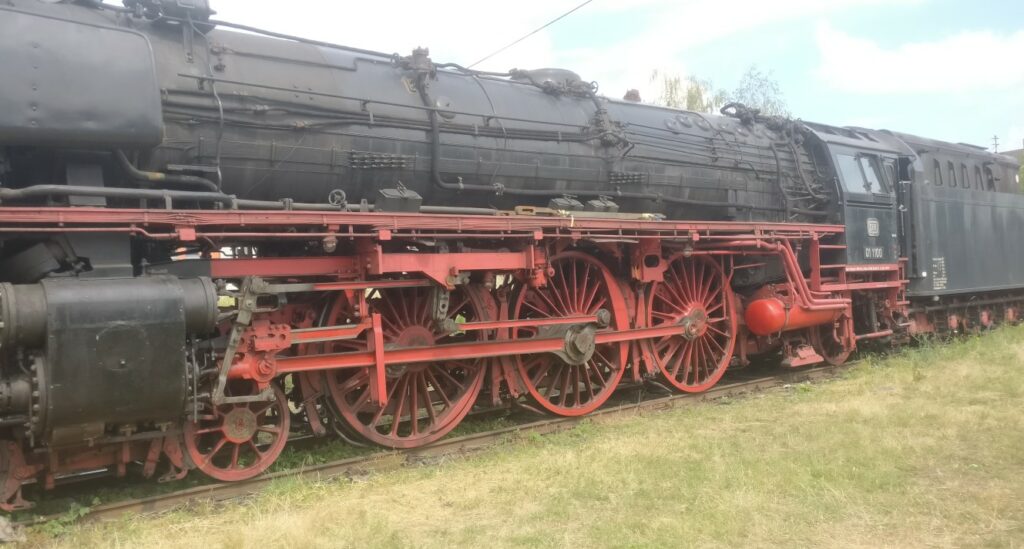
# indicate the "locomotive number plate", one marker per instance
pixel 872 252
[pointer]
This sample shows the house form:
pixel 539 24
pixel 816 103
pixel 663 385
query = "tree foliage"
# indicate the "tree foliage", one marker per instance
pixel 759 90
pixel 756 89
pixel 690 93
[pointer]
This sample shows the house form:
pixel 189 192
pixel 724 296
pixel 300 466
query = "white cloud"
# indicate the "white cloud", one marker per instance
pixel 1012 139
pixel 463 31
pixel 456 30
pixel 969 61
pixel 679 26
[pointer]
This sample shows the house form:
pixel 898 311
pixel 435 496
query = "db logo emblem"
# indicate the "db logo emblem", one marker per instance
pixel 872 226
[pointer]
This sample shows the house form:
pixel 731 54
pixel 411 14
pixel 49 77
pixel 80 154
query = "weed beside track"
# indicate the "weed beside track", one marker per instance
pixel 918 448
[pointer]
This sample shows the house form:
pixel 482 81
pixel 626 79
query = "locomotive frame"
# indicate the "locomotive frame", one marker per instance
pixel 272 331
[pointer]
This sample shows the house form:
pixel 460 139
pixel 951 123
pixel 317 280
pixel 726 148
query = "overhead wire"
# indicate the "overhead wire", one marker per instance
pixel 531 33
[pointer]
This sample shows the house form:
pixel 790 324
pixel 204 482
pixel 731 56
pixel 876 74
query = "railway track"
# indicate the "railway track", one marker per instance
pixel 388 460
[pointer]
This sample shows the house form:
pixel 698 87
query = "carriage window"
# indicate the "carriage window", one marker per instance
pixel 952 174
pixel 977 179
pixel 964 180
pixel 990 179
pixel 937 168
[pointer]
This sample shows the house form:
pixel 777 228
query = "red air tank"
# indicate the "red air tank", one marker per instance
pixel 770 315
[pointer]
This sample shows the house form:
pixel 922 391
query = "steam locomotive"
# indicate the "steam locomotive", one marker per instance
pixel 211 238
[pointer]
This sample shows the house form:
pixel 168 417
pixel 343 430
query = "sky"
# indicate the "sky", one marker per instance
pixel 946 69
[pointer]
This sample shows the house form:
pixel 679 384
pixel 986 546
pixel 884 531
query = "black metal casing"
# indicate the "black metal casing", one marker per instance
pixel 108 349
pixel 965 231
pixel 105 92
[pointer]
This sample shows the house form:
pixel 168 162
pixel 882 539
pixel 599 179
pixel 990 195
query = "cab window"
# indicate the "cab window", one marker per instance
pixel 861 173
pixel 890 173
pixel 869 164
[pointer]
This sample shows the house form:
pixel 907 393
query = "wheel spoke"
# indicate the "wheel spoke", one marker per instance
pixel 686 361
pixel 676 291
pixel 438 389
pixel 679 359
pixel 711 328
pixel 451 379
pixel 403 318
pixel 672 343
pixel 586 380
pixel 711 299
pixel 605 361
pixel 697 272
pixel 565 373
pixel 206 430
pixel 576 293
pixel 363 399
pixel 399 406
pixel 382 409
pixel 414 395
pixel 425 391
pixel 218 447
pixel 543 312
pixel 588 303
pixel 264 409
pixel 358 379
pixel 564 297
pixel 544 367
pixel 667 318
pixel 719 350
pixel 553 309
pixel 458 306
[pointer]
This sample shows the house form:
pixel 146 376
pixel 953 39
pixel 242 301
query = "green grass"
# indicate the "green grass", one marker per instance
pixel 920 449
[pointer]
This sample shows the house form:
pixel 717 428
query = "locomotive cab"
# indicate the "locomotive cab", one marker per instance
pixel 867 176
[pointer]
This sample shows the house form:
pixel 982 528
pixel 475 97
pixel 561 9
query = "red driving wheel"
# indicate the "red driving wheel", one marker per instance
pixel 233 442
pixel 695 295
pixel 425 400
pixel 578 384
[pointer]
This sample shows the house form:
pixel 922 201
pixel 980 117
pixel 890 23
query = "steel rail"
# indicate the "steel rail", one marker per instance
pixel 389 460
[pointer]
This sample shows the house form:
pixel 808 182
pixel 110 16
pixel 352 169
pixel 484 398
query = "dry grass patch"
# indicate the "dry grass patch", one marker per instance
pixel 923 448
